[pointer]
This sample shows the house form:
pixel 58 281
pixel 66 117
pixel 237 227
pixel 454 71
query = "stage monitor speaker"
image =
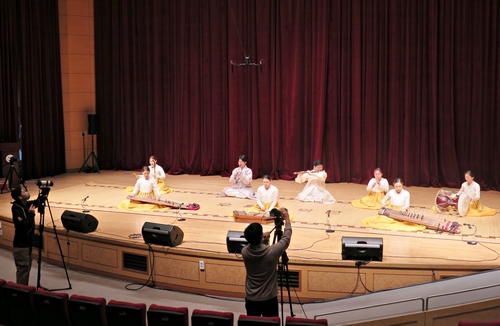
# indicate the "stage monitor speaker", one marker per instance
pixel 162 234
pixel 369 249
pixel 235 241
pixel 79 222
pixel 93 124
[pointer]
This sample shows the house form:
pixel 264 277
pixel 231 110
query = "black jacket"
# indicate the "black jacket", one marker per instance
pixel 24 223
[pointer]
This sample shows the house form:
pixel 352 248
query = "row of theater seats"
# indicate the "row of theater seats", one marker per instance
pixel 26 305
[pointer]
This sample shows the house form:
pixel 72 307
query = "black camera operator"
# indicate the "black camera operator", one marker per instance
pixel 23 216
pixel 261 261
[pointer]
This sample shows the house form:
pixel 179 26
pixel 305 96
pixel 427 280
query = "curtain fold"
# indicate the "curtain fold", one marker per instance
pixel 31 88
pixel 407 86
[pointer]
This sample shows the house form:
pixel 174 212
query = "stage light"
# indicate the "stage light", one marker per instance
pixel 367 249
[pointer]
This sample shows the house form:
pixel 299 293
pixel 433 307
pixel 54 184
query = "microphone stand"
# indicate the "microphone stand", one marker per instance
pixel 85 210
pixel 473 241
pixel 329 230
pixel 180 218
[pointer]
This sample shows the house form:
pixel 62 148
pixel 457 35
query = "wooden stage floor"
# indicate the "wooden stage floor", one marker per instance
pixel 205 230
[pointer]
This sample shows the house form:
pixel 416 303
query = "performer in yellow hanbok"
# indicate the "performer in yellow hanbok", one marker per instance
pixel 473 192
pixel 145 187
pixel 157 173
pixel 267 197
pixel 377 188
pixel 400 200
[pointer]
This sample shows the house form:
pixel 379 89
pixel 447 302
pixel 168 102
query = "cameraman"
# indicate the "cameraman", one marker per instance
pixel 23 216
pixel 261 260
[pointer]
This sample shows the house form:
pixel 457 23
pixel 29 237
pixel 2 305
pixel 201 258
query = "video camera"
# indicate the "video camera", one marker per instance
pixel 44 183
pixel 278 217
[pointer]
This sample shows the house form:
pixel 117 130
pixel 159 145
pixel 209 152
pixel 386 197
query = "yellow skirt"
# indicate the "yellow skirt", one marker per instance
pixel 372 201
pixel 388 223
pixel 138 206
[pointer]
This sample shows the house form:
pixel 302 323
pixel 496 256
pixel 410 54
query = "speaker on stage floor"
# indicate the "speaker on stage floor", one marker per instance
pixel 235 241
pixel 356 248
pixel 79 222
pixel 93 124
pixel 162 234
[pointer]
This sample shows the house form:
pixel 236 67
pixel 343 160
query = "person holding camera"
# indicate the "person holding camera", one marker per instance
pixel 23 216
pixel 261 261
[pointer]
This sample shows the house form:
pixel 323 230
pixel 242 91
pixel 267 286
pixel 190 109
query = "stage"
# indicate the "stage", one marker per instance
pixel 317 270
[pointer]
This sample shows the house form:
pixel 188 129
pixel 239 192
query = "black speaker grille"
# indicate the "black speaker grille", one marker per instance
pixel 135 262
pixel 293 280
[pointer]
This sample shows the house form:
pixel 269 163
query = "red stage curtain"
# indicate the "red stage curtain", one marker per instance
pixel 409 86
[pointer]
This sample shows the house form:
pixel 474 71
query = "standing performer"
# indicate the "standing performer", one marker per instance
pixel 472 190
pixel 241 178
pixel 377 188
pixel 23 216
pixel 261 260
pixel 399 197
pixel 314 190
pixel 159 175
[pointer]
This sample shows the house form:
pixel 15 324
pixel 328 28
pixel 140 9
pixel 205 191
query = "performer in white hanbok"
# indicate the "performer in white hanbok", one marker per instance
pixel 241 178
pixel 399 197
pixel 315 190
pixel 159 175
pixel 377 188
pixel 472 190
pixel 146 187
pixel 267 197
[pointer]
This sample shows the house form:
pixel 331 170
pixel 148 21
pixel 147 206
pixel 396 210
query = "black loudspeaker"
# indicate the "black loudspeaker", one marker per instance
pixel 369 249
pixel 93 124
pixel 79 222
pixel 162 234
pixel 235 241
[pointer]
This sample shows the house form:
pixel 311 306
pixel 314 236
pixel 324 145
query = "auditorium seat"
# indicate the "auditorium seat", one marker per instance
pixel 85 310
pixel 211 318
pixel 4 316
pixel 19 303
pixel 51 308
pixel 296 321
pixel 122 313
pixel 479 323
pixel 244 320
pixel 163 315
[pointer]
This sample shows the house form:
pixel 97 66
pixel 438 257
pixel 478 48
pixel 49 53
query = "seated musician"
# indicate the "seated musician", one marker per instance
pixel 145 187
pixel 315 189
pixel 241 178
pixel 473 192
pixel 157 173
pixel 267 196
pixel 399 197
pixel 377 188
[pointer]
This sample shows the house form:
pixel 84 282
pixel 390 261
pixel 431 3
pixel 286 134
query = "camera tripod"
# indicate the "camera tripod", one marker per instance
pixel 42 201
pixel 10 174
pixel 282 266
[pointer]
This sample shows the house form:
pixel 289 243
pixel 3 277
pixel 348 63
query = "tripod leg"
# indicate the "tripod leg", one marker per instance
pixel 9 175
